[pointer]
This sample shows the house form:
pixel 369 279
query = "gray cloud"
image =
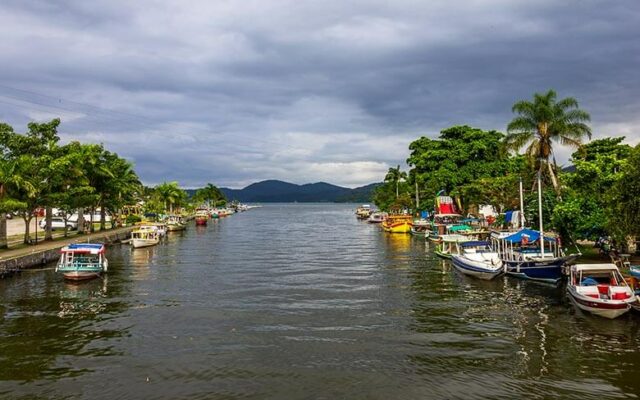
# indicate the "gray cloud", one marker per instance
pixel 234 92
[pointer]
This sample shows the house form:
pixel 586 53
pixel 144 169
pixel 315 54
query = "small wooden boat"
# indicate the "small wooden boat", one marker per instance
pixel 420 230
pixel 80 261
pixel 377 217
pixel 397 223
pixel 600 289
pixel 449 245
pixel 202 216
pixel 175 223
pixel 479 260
pixel 363 212
pixel 145 236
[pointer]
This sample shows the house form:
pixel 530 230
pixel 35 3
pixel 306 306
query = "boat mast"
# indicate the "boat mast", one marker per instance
pixel 540 215
pixel 521 206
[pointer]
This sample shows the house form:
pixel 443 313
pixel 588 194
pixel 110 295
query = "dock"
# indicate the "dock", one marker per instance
pixel 16 260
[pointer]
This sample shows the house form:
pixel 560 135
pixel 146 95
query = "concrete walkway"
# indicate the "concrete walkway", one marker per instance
pixel 13 260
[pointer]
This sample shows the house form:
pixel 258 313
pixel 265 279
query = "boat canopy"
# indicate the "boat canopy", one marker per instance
pixel 475 243
pixel 468 220
pixel 458 228
pixel 92 248
pixel 530 234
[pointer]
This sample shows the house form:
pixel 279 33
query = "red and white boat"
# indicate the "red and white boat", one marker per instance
pixel 600 289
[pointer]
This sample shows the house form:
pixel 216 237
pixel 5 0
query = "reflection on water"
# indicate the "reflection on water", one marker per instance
pixel 303 301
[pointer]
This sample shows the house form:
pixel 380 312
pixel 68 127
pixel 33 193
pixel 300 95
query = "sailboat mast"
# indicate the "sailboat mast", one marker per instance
pixel 521 206
pixel 540 215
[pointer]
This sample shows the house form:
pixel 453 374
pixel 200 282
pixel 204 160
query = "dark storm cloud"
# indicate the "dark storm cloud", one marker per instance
pixel 233 92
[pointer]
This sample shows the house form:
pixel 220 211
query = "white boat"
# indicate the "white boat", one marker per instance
pixel 449 245
pixel 145 236
pixel 478 259
pixel 364 211
pixel 600 289
pixel 377 217
pixel 81 261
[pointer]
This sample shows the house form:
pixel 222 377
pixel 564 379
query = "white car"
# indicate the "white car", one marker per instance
pixel 58 223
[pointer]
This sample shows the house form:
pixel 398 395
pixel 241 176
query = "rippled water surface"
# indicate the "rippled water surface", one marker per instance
pixel 302 301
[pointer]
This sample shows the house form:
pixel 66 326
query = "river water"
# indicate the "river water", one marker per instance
pixel 302 301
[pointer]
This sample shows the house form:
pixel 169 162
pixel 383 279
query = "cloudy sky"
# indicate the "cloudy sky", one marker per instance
pixel 232 92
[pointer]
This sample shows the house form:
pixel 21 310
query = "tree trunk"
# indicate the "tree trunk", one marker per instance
pixel 397 188
pixel 80 220
pixel 3 231
pixel 102 218
pixel 27 227
pixel 93 211
pixel 47 232
pixel 554 181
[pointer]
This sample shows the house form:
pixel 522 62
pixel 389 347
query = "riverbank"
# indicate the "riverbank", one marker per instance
pixel 16 260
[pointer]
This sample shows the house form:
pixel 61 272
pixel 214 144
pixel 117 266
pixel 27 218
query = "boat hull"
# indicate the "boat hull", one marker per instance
pixel 80 275
pixel 476 269
pixel 176 228
pixel 403 227
pixel 603 308
pixel 201 221
pixel 139 243
pixel 548 271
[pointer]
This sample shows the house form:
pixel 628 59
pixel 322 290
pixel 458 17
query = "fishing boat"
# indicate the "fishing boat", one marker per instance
pixel 420 230
pixel 446 216
pixel 145 236
pixel 397 223
pixel 478 259
pixel 202 216
pixel 526 254
pixel 363 212
pixel 377 217
pixel 80 261
pixel 449 245
pixel 175 223
pixel 600 289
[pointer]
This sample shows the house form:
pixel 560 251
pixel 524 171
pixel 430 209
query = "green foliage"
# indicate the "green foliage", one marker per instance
pixel 132 219
pixel 210 194
pixel 624 199
pixel 461 156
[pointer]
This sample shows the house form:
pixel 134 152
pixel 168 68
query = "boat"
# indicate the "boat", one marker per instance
pixel 202 216
pixel 377 217
pixel 175 223
pixel 478 259
pixel 420 230
pixel 363 212
pixel 600 289
pixel 80 261
pixel 145 236
pixel 397 223
pixel 526 255
pixel 449 245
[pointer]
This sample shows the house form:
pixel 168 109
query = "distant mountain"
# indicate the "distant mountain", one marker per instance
pixel 278 191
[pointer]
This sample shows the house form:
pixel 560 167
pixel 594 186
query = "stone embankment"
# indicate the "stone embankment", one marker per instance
pixel 16 260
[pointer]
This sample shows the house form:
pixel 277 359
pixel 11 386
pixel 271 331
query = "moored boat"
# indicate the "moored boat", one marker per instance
pixel 202 216
pixel 145 236
pixel 175 223
pixel 377 217
pixel 397 223
pixel 449 245
pixel 478 259
pixel 420 230
pixel 600 289
pixel 363 212
pixel 80 261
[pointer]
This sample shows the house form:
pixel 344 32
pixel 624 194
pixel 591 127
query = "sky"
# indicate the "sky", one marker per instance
pixel 234 92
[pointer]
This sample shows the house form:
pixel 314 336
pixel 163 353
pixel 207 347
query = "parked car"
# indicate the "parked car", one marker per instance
pixel 58 223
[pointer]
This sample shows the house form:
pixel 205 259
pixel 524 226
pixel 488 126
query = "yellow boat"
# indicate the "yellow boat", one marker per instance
pixel 398 223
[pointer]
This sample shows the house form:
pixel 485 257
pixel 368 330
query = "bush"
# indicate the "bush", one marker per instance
pixel 133 219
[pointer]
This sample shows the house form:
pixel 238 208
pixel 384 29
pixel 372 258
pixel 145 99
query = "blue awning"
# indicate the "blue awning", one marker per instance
pixel 530 234
pixel 475 243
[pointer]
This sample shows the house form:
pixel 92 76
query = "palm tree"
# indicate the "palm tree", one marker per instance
pixel 170 193
pixel 544 121
pixel 395 176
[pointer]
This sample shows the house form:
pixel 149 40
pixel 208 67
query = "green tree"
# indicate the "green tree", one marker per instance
pixel 394 175
pixel 170 194
pixel 624 201
pixel 210 194
pixel 543 121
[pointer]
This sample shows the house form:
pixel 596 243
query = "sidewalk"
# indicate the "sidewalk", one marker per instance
pixel 41 247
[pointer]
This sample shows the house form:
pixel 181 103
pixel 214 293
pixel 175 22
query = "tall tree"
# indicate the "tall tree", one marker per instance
pixel 394 175
pixel 170 194
pixel 542 122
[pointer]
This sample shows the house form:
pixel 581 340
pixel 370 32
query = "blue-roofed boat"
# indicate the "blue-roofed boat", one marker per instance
pixel 80 261
pixel 478 259
pixel 526 256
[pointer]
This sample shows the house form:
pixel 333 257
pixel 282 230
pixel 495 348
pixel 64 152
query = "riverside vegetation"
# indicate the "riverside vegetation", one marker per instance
pixel 599 195
pixel 37 172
